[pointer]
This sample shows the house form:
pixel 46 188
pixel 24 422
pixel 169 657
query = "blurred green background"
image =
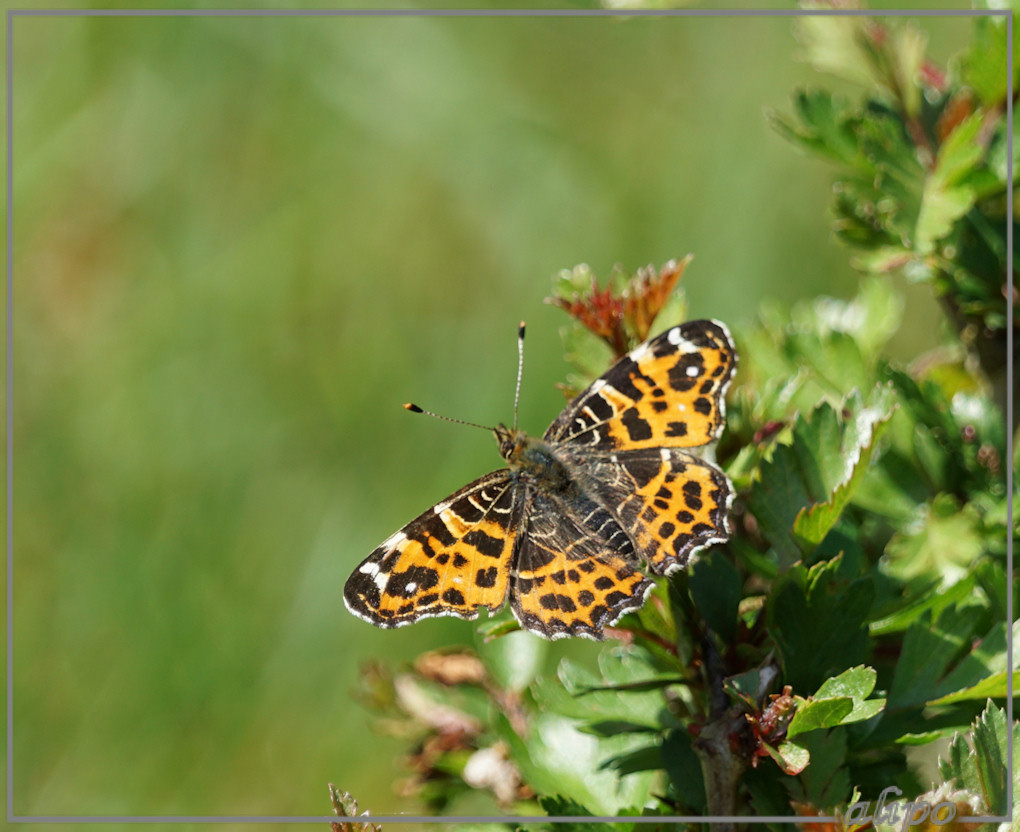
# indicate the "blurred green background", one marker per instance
pixel 240 244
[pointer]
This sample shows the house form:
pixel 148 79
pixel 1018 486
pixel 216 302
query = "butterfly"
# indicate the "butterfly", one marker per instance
pixel 574 525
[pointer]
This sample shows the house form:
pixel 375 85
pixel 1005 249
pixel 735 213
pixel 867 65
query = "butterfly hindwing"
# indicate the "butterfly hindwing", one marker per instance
pixel 451 560
pixel 575 571
pixel 670 503
pixel 667 392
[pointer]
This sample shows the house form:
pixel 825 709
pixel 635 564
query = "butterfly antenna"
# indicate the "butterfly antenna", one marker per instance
pixel 520 369
pixel 415 409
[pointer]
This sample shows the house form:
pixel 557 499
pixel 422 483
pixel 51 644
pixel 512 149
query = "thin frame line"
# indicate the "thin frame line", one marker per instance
pixel 10 415
pixel 1009 410
pixel 508 13
pixel 742 13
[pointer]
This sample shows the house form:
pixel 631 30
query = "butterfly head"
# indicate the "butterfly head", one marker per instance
pixel 511 441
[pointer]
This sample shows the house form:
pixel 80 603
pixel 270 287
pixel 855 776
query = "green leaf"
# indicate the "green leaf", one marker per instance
pixel 820 713
pixel 928 651
pixel 934 596
pixel 558 758
pixel 992 687
pixel 816 619
pixel 825 126
pixel 684 769
pixel 826 782
pixel 748 687
pixel 828 707
pixel 939 545
pixel 612 727
pixel 715 587
pixel 947 195
pixel 861 432
pixel 840 47
pixel 582 694
pixel 556 805
pixel 986 656
pixel 983 67
pixel 646 758
pixel 515 660
pixel 798 475
pixel 791 757
pixel 857 683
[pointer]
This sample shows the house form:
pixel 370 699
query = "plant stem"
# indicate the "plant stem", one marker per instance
pixel 718 745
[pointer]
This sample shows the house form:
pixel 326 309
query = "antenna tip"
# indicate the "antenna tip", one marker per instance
pixel 412 407
pixel 520 330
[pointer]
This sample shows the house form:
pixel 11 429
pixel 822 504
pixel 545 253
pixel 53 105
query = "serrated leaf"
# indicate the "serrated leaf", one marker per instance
pixel 983 768
pixel 861 432
pixel 816 619
pixel 557 805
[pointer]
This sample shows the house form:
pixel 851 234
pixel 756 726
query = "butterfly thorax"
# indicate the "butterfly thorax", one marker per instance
pixel 533 457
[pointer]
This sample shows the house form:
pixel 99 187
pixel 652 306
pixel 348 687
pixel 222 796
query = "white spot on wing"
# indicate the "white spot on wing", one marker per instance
pixel 381 579
pixel 692 371
pixel 674 337
pixel 640 353
pixel 369 568
pixel 439 508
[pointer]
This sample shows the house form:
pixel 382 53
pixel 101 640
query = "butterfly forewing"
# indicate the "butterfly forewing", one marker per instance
pixel 451 560
pixel 667 392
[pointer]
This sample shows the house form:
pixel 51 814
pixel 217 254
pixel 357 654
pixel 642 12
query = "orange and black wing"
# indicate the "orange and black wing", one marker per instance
pixel 574 572
pixel 669 503
pixel 666 392
pixel 452 560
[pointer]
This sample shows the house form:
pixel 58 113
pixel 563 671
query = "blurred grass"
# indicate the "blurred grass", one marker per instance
pixel 240 244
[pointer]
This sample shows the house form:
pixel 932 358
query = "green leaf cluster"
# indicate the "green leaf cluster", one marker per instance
pixel 922 152
pixel 859 609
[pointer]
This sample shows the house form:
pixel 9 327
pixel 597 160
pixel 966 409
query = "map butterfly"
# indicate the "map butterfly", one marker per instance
pixel 574 525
